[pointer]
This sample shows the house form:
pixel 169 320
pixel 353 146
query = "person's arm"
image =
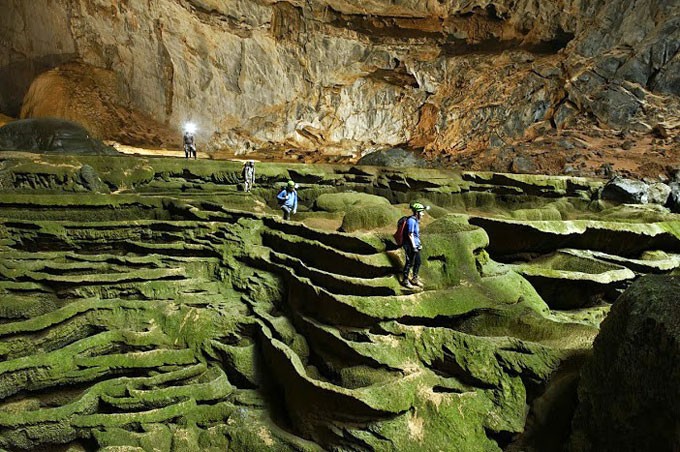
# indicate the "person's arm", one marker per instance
pixel 282 195
pixel 412 239
pixel 295 201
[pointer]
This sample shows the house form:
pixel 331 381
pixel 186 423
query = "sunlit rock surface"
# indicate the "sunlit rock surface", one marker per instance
pixel 475 81
pixel 165 308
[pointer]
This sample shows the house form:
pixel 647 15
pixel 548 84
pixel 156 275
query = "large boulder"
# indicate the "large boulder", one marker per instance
pixel 627 191
pixel 628 393
pixel 50 135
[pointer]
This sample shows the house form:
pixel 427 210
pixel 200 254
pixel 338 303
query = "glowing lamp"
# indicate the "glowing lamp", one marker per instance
pixel 190 127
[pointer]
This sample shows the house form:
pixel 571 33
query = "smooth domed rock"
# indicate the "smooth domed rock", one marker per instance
pixel 50 135
pixel 628 393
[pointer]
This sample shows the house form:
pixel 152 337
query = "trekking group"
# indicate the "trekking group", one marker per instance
pixel 407 235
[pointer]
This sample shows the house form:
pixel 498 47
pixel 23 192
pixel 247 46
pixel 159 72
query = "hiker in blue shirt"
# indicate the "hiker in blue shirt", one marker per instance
pixel 412 247
pixel 288 199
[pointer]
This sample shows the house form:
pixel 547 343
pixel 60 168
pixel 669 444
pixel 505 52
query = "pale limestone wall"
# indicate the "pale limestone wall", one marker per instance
pixel 353 76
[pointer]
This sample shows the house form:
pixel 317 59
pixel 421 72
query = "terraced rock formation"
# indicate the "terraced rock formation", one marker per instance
pixel 165 308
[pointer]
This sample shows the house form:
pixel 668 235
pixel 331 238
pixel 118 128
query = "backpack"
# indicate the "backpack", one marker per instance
pixel 401 231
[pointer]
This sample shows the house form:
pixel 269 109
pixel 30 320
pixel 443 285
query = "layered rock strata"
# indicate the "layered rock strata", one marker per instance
pixel 179 312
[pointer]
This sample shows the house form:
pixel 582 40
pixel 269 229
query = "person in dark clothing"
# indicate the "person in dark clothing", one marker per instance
pixel 288 200
pixel 189 145
pixel 412 246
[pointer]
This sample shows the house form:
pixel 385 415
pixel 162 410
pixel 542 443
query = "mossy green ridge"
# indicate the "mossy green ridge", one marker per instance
pixel 166 309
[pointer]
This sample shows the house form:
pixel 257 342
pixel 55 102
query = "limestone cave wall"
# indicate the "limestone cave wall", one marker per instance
pixel 343 77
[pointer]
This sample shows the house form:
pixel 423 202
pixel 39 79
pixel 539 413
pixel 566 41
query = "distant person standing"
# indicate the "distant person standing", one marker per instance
pixel 288 199
pixel 412 246
pixel 248 175
pixel 189 144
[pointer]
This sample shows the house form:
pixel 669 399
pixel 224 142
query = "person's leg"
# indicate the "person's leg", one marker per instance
pixel 407 266
pixel 286 212
pixel 416 268
pixel 186 152
pixel 416 263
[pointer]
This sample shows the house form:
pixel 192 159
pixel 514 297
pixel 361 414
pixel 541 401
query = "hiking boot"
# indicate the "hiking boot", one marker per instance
pixel 406 283
pixel 417 282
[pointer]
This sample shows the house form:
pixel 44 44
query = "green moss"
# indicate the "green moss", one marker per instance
pixel 333 202
pixel 367 218
pixel 545 214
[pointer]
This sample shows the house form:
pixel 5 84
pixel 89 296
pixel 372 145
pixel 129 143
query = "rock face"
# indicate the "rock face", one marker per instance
pixel 628 396
pixel 347 77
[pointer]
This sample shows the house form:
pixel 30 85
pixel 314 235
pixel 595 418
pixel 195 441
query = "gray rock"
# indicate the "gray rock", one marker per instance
pixel 606 170
pixel 394 158
pixel 52 136
pixel 628 392
pixel 626 191
pixel 522 164
pixel 91 180
pixel 673 201
pixel 659 193
pixel 615 106
pixel 565 115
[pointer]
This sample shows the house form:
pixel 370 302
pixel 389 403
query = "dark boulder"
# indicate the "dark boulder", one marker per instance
pixel 629 393
pixel 394 158
pixel 626 191
pixel 673 202
pixel 50 135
